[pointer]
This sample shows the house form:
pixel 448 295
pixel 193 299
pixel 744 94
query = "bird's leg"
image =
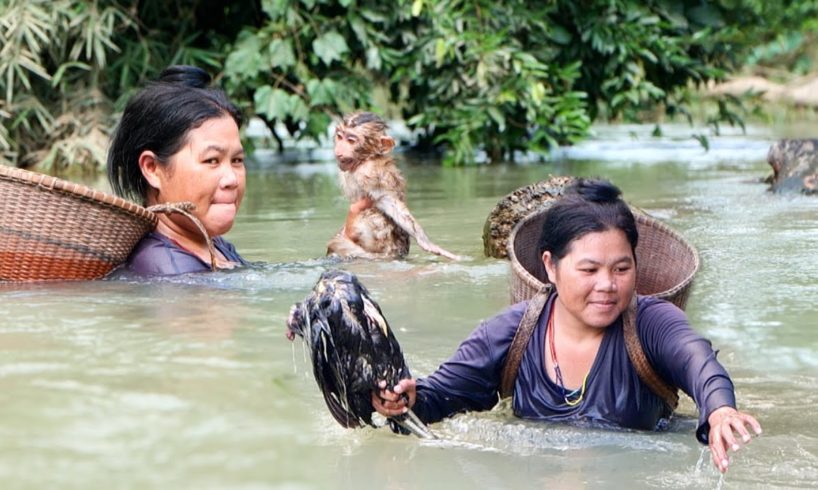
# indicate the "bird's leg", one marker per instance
pixel 412 423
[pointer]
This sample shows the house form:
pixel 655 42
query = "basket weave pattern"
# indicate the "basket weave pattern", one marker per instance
pixel 666 263
pixel 51 229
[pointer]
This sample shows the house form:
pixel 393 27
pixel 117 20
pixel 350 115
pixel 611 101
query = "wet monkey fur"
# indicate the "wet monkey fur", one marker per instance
pixel 379 224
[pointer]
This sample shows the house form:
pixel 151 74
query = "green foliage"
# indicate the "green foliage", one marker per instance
pixel 67 65
pixel 482 75
pixel 308 61
pixel 505 77
pixel 49 53
pixel 786 41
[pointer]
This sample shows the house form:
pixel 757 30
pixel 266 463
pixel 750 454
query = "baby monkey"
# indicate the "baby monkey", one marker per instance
pixel 379 224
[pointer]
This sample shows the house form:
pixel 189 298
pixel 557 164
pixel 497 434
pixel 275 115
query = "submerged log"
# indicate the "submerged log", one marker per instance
pixel 514 207
pixel 795 166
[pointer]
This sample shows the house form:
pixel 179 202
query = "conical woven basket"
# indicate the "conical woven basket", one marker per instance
pixel 666 262
pixel 51 229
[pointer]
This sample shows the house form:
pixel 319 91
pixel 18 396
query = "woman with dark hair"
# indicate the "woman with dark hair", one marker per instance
pixel 575 366
pixel 178 141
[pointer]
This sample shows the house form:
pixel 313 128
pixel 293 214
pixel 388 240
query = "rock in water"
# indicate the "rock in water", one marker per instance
pixel 352 348
pixel 514 207
pixel 795 166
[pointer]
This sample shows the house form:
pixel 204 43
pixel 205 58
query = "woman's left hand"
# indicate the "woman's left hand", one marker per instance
pixel 725 422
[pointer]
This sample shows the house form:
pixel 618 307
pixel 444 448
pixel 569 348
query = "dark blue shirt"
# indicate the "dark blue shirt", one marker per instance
pixel 158 255
pixel 614 396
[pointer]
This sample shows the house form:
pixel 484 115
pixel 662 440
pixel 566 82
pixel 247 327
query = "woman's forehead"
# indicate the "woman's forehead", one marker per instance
pixel 608 242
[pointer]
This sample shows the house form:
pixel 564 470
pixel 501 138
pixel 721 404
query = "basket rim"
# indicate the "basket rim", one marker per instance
pixel 74 190
pixel 639 215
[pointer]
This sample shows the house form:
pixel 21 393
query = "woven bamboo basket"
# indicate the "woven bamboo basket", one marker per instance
pixel 666 262
pixel 51 229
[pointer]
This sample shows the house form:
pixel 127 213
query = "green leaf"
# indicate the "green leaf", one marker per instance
pixel 321 92
pixel 706 15
pixel 281 53
pixel 298 109
pixel 559 35
pixel 244 61
pixel 703 140
pixel 440 51
pixel 317 125
pixel 275 9
pixel 373 58
pixel 272 102
pixel 330 46
pixel 57 77
pixel 498 118
pixel 417 8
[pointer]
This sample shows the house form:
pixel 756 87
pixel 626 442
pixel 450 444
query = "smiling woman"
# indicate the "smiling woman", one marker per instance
pixel 178 141
pixel 574 367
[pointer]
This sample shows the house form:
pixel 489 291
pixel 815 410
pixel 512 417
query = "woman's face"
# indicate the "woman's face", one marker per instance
pixel 596 279
pixel 209 172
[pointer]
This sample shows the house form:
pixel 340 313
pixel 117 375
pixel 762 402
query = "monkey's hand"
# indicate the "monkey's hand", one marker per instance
pixel 355 210
pixel 360 206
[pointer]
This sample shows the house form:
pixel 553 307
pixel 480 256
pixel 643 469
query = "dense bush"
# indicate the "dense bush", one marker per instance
pixel 502 76
pixel 67 66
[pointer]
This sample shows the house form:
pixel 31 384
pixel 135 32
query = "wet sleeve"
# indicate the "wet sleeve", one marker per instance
pixel 686 359
pixel 229 251
pixel 470 379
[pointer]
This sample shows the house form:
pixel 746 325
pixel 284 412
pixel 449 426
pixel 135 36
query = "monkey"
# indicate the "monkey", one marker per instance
pixel 379 224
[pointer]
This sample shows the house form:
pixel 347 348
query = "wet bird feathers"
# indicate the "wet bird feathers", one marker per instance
pixel 351 346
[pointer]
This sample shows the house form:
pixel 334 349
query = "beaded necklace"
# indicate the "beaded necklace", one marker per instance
pixel 576 394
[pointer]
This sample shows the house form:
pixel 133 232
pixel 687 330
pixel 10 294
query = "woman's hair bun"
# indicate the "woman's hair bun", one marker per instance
pixel 191 76
pixel 598 191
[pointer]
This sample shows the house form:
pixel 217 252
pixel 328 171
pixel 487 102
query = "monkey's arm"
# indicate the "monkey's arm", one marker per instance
pixel 393 207
pixel 355 210
pixel 343 247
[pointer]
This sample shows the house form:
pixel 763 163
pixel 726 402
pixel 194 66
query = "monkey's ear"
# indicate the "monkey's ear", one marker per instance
pixel 387 143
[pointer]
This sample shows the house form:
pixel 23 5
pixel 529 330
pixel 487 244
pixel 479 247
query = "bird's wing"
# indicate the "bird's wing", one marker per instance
pixel 327 368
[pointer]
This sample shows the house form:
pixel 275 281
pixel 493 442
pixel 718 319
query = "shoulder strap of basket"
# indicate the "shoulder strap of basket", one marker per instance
pixel 668 393
pixel 185 208
pixel 520 341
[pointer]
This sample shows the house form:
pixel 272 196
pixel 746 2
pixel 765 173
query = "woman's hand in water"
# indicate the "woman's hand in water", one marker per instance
pixel 395 400
pixel 725 423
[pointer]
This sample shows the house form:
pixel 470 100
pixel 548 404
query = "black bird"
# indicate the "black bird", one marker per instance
pixel 352 348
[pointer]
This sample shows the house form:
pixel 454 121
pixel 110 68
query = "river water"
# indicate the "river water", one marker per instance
pixel 189 382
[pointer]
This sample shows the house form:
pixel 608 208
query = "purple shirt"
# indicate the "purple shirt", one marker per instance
pixel 158 255
pixel 614 396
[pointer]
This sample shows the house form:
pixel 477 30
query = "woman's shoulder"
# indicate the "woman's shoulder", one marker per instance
pixel 662 326
pixel 652 310
pixel 156 254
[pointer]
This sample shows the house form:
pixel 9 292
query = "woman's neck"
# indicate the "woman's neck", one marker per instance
pixel 572 327
pixel 195 244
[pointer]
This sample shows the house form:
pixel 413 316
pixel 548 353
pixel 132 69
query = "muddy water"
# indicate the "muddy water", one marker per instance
pixel 188 382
